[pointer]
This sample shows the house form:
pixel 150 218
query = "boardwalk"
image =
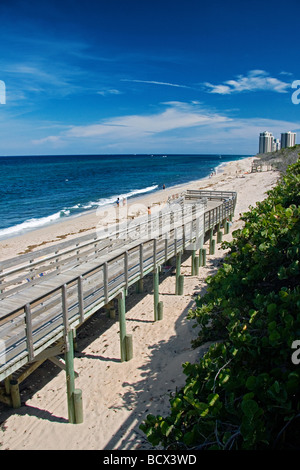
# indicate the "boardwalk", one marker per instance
pixel 47 294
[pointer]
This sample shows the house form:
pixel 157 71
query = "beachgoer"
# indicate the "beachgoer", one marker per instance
pixel 149 210
pixel 164 187
pixel 118 201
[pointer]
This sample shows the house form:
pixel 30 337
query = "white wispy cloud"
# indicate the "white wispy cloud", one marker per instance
pixel 111 91
pixel 154 82
pixel 177 115
pixel 283 72
pixel 174 127
pixel 38 78
pixel 255 80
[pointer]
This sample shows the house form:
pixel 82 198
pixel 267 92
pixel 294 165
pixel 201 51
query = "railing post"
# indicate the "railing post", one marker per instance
pixel 57 260
pixel 166 249
pixel 126 269
pixel 29 332
pixel 1 283
pixel 105 281
pixel 80 300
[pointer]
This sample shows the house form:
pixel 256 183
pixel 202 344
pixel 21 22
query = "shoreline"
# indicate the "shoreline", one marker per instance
pixel 87 222
pixel 16 231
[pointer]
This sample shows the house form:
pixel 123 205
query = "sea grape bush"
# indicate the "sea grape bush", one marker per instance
pixel 245 391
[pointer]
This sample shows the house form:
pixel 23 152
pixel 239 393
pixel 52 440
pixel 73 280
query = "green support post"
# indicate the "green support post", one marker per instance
pixel 181 285
pixel 70 376
pixel 77 396
pixel 128 347
pixel 7 384
pixel 122 324
pixel 140 286
pixel 156 292
pixel 196 266
pixel 160 311
pixel 112 313
pixel 226 230
pixel 178 267
pixel 193 262
pixel 204 256
pixel 212 246
pixel 15 394
pixel 200 257
pixel 219 236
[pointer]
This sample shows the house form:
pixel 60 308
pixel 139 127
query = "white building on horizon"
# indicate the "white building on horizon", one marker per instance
pixel 276 145
pixel 288 139
pixel 266 142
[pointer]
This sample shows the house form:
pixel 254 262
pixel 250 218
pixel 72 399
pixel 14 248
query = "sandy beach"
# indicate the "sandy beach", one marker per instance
pixel 117 396
pixel 90 222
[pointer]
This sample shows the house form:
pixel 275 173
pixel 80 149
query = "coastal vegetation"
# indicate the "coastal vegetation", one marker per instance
pixel 244 393
pixel 281 159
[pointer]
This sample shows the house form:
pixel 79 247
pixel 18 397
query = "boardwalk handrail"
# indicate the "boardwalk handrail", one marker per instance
pixel 199 194
pixel 33 319
pixel 37 266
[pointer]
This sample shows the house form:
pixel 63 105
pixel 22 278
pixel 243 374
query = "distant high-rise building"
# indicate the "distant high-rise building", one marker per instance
pixel 288 139
pixel 266 142
pixel 276 145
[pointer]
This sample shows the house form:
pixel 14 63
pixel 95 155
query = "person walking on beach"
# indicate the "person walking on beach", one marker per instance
pixel 118 201
pixel 164 187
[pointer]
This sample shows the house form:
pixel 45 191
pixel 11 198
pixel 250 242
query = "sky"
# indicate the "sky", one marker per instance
pixel 140 76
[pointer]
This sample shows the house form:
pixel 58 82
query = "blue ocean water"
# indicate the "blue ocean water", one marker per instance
pixel 36 191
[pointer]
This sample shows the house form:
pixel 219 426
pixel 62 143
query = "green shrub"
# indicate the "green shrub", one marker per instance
pixel 245 391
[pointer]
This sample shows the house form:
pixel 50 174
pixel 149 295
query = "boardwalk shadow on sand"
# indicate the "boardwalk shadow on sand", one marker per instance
pixel 161 376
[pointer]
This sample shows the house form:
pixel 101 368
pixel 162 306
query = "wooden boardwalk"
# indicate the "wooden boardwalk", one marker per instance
pixel 47 294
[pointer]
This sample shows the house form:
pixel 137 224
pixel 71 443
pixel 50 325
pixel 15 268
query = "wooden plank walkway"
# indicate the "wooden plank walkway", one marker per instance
pixel 48 293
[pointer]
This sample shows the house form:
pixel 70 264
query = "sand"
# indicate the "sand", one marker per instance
pixel 117 396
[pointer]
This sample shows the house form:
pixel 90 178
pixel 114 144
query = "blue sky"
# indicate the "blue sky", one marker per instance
pixel 139 76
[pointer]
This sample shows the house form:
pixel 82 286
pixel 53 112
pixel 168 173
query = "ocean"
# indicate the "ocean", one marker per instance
pixel 39 190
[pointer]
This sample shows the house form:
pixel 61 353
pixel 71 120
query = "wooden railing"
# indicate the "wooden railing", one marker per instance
pixel 192 194
pixel 34 268
pixel 81 276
